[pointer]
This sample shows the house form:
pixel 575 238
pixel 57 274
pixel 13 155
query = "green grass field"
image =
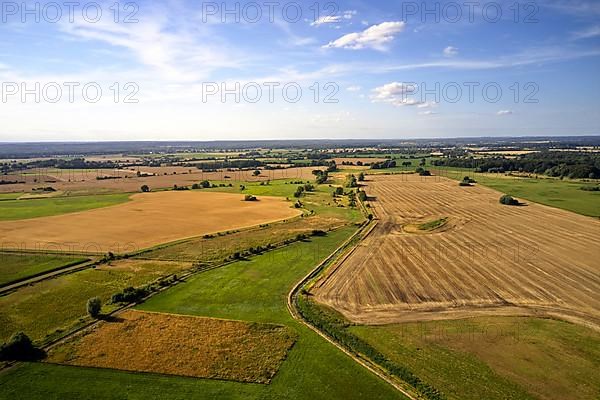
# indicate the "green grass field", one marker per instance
pixel 496 357
pixel 33 208
pixel 254 290
pixel 10 196
pixel 15 267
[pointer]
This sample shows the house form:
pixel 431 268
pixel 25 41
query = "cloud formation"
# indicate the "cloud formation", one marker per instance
pixel 375 37
pixel 450 51
pixel 398 94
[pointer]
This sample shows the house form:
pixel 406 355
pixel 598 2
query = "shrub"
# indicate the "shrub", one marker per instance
pixel 362 195
pixel 508 200
pixel 361 177
pixel 590 188
pixel 299 191
pixel 423 172
pixel 19 348
pixel 129 295
pixel 94 306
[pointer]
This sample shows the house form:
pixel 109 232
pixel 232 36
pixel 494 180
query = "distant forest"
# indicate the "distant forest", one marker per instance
pixel 551 163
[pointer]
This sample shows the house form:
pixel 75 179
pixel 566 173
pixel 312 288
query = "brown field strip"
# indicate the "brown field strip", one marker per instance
pixel 148 219
pixel 180 345
pixel 488 258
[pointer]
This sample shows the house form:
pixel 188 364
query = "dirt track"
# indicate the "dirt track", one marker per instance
pixel 147 220
pixel 489 258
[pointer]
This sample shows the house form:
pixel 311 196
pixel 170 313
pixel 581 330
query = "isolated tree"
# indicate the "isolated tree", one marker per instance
pixel 351 181
pixel 256 172
pixel 94 306
pixel 362 195
pixel 145 188
pixel 361 177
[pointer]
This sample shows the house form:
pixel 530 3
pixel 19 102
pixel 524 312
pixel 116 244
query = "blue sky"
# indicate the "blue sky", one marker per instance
pixel 369 60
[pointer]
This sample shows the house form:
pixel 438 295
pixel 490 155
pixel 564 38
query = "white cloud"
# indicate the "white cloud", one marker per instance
pixel 177 53
pixel 353 88
pixel 333 19
pixel 504 112
pixel 590 32
pixel 329 19
pixel 375 37
pixel 398 94
pixel 450 51
pixel 428 112
pixel 348 14
pixel 392 91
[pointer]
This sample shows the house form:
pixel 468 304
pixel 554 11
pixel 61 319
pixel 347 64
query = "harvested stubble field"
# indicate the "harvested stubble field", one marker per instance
pixel 487 259
pixel 147 220
pixel 86 180
pixel 180 345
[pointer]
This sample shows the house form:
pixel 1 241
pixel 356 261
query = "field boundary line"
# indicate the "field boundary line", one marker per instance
pixel 291 304
pixel 70 268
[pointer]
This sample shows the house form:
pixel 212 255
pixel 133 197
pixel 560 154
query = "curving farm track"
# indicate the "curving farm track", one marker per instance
pixel 488 258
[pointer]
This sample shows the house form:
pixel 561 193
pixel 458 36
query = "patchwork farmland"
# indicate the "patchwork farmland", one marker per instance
pixel 334 280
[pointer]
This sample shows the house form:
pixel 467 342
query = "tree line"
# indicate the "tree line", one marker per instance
pixel 577 165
